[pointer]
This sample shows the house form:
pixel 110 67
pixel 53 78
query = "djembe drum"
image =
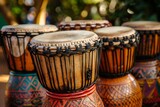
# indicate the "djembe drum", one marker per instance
pixel 23 87
pixel 89 25
pixel 116 86
pixel 15 40
pixel 146 67
pixel 67 65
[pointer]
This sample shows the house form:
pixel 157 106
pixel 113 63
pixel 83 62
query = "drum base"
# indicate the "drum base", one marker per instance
pixel 86 98
pixel 120 92
pixel 147 75
pixel 145 69
pixel 24 90
pixel 150 90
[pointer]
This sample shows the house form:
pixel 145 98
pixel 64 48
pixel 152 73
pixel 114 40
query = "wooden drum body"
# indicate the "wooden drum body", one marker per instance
pixel 15 40
pixel 150 90
pixel 85 98
pixel 118 52
pixel 120 92
pixel 89 25
pixel 24 90
pixel 65 65
pixel 146 69
pixel 149 31
pixel 115 86
pixel 147 75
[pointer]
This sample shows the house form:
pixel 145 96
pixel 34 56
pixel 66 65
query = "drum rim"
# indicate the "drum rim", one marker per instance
pixel 17 73
pixel 77 45
pixel 23 28
pixel 73 95
pixel 84 23
pixel 118 80
pixel 21 34
pixel 115 75
pixel 119 40
pixel 115 32
pixel 142 27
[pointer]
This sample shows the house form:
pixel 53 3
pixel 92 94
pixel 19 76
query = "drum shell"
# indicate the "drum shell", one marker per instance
pixel 24 90
pixel 18 55
pixel 150 90
pixel 147 75
pixel 16 50
pixel 120 92
pixel 67 73
pixel 88 27
pixel 146 69
pixel 148 47
pixel 78 99
pixel 117 62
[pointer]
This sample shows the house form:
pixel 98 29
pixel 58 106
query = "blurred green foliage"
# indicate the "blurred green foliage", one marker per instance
pixel 116 11
pixel 2 21
pixel 19 10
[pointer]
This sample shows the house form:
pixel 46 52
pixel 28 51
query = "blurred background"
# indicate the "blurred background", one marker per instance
pixel 55 11
pixel 42 12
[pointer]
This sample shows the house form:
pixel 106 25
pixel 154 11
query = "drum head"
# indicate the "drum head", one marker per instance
pixel 143 25
pixel 63 39
pixel 114 32
pixel 117 35
pixel 29 28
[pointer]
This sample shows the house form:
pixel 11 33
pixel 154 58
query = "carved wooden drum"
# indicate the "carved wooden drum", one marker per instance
pixel 118 52
pixel 86 98
pixel 115 86
pixel 120 92
pixel 90 25
pixel 148 77
pixel 16 38
pixel 24 90
pixel 146 69
pixel 149 36
pixel 150 90
pixel 66 61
